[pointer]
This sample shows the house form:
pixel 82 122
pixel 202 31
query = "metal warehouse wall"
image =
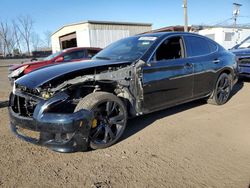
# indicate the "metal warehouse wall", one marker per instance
pixel 101 35
pixel 97 34
pixel 102 38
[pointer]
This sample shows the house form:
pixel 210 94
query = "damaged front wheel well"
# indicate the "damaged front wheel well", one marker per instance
pixel 79 92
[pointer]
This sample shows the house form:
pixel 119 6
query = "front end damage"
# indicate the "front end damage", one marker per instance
pixel 244 66
pixel 49 108
pixel 123 80
pixel 58 131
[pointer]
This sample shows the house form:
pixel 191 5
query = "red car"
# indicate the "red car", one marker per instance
pixel 67 55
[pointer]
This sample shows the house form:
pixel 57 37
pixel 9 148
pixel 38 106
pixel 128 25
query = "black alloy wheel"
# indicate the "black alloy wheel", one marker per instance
pixel 222 90
pixel 110 122
pixel 110 118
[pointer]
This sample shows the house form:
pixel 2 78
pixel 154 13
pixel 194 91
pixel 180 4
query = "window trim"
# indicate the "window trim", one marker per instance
pixel 149 60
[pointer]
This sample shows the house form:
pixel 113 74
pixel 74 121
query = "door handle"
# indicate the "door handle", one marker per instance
pixel 216 61
pixel 188 65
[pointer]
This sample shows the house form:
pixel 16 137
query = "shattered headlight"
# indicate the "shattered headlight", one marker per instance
pixel 17 72
pixel 46 94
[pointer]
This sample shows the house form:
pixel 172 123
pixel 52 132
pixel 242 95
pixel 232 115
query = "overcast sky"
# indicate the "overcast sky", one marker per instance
pixel 52 14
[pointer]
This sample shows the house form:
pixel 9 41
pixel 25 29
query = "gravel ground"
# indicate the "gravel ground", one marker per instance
pixel 192 145
pixel 7 62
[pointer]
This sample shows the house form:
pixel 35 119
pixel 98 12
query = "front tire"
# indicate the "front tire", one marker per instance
pixel 110 120
pixel 222 90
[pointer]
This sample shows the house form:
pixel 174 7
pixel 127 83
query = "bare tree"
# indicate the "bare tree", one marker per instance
pixel 6 38
pixel 3 38
pixel 16 36
pixel 35 41
pixel 25 27
pixel 47 39
pixel 1 46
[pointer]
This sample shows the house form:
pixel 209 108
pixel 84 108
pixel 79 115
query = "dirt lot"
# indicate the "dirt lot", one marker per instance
pixel 192 145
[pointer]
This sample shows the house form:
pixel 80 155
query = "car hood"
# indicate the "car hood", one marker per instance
pixel 16 66
pixel 44 75
pixel 241 52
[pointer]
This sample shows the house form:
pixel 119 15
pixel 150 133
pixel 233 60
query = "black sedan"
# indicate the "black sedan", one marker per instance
pixel 76 106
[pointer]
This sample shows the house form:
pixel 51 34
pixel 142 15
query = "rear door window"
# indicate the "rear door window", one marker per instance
pixel 197 46
pixel 213 46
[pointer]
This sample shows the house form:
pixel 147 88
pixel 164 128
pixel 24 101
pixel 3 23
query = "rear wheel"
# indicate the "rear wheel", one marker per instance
pixel 110 118
pixel 222 90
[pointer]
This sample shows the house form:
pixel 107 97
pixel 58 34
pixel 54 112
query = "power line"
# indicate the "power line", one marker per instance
pixel 224 21
pixel 244 16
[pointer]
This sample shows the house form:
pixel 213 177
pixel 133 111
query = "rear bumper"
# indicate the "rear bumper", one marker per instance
pixel 59 132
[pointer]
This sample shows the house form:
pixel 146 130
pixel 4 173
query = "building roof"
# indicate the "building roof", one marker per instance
pixel 104 23
pixel 169 28
pixel 238 26
pixel 195 28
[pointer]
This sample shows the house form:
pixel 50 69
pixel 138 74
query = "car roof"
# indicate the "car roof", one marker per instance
pixel 159 34
pixel 80 48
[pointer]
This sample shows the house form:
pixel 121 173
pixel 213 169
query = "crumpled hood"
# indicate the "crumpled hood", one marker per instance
pixel 241 52
pixel 41 76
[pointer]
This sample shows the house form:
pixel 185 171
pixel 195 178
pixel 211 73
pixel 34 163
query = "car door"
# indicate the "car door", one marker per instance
pixel 168 79
pixel 202 52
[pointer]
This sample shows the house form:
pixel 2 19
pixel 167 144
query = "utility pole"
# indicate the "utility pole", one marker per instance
pixel 236 13
pixel 185 15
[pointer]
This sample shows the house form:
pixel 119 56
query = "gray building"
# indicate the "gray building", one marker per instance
pixel 95 33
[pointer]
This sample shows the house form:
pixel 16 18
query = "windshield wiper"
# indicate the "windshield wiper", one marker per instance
pixel 105 58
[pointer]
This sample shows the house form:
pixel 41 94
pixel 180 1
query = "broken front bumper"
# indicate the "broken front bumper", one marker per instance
pixel 244 70
pixel 60 132
pixel 244 66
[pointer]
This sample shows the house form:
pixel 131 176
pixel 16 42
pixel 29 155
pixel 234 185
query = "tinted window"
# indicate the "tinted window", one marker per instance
pixel 213 47
pixel 245 44
pixel 52 56
pixel 197 46
pixel 74 55
pixel 130 49
pixel 171 48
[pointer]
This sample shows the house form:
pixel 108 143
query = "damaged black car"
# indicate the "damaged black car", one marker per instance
pixel 77 106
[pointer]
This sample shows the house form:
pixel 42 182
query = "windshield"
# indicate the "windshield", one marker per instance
pixel 245 44
pixel 128 49
pixel 52 56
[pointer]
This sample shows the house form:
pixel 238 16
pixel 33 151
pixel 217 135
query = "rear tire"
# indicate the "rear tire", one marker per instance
pixel 110 116
pixel 222 90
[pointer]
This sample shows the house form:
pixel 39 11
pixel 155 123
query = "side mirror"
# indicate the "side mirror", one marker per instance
pixel 59 59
